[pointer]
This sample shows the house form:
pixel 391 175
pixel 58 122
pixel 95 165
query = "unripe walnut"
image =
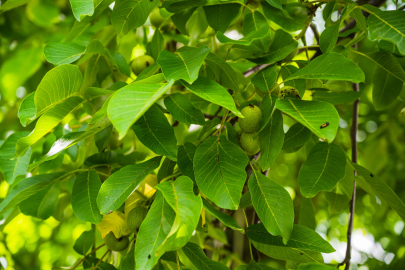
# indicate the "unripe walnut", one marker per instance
pixel 253 116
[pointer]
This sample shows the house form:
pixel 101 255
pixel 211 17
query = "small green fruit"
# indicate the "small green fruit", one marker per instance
pixel 253 116
pixel 155 18
pixel 289 91
pixel 135 218
pixel 140 63
pixel 248 144
pixel 115 244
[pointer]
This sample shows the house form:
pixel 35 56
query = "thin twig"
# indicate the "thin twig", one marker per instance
pixel 79 262
pixel 99 261
pixel 353 136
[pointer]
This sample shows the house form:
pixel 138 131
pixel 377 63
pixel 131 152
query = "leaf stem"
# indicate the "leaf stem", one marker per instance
pixel 177 260
pixel 99 261
pixel 170 176
pixel 222 123
pixel 79 262
pixel 247 225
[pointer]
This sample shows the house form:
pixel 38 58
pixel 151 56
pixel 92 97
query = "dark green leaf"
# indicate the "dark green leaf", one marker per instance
pixel 182 110
pixel 197 256
pixel 307 214
pixel 296 136
pixel 84 242
pixel 224 218
pixel 185 157
pixel 219 17
pixel 224 73
pixel 265 78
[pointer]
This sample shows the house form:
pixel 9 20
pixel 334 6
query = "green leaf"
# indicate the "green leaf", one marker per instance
pixel 182 110
pixel 254 266
pixel 314 266
pixel 273 205
pixel 219 17
pixel 153 232
pixel 340 196
pixel 154 131
pixel 27 109
pixel 166 169
pixel 130 14
pixel 213 92
pixel 16 70
pixel 82 8
pixel 231 134
pixel 296 136
pixel 180 196
pixel 181 18
pixel 10 4
pixel 63 53
pixel 329 37
pixel 84 242
pixel 43 203
pixel 183 64
pixel 283 44
pixel 388 25
pixel 185 157
pixel 307 214
pixel 324 167
pixel 130 102
pixel 267 106
pixel 197 256
pixel 122 64
pixel 12 167
pixel 117 188
pixel 304 245
pixel 299 84
pixel 65 80
pixel 297 12
pixel 177 5
pixel 128 262
pixel 47 122
pixel 224 73
pixel 271 139
pixel 84 197
pixel 336 97
pixel 312 114
pixel 381 189
pixel 330 66
pixel 26 188
pixel 387 79
pixel 220 174
pixel 255 26
pixel 157 44
pixel 224 218
pixel 357 14
pixel 265 78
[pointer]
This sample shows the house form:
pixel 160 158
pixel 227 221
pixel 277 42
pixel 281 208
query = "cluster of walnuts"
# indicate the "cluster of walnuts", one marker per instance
pixel 249 126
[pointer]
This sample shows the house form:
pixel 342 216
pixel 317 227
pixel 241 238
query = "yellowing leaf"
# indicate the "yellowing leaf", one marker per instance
pixel 143 192
pixel 114 222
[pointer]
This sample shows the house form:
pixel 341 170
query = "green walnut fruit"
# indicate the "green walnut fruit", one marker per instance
pixel 253 116
pixel 155 18
pixel 248 144
pixel 135 218
pixel 116 244
pixel 289 91
pixel 140 63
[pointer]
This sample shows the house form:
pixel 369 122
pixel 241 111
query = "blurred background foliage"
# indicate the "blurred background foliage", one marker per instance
pixel 29 243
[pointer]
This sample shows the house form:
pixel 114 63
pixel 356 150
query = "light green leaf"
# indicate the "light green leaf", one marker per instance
pixel 63 53
pixel 69 140
pixel 213 92
pixel 84 242
pixel 84 196
pixel 273 205
pixel 307 214
pixel 197 256
pixel 271 139
pixel 130 102
pixel 224 218
pixel 388 25
pixel 324 167
pixel 154 131
pixel 185 157
pixel 117 188
pixel 180 196
pixel 312 114
pixel 265 78
pixel 27 109
pixel 182 110
pixel 224 73
pixel 12 167
pixel 330 66
pixel 157 44
pixel 387 79
pixel 10 4
pixel 255 26
pixel 184 64
pixel 56 86
pixel 296 136
pixel 329 37
pixel 121 63
pixel 82 8
pixel 153 232
pixel 130 14
pixel 219 17
pixel 43 203
pixel 16 70
pixel 381 189
pixel 283 44
pixel 47 122
pixel 220 174
pixel 304 245
pixel 26 188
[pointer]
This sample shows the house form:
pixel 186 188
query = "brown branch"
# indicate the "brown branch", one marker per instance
pixel 316 33
pixel 353 135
